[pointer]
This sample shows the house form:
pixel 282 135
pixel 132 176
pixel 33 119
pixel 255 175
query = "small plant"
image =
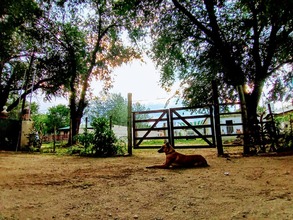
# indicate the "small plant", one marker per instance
pixel 285 125
pixel 86 139
pixel 286 141
pixel 75 150
pixel 121 145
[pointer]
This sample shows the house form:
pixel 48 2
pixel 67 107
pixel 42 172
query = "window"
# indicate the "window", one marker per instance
pixel 229 125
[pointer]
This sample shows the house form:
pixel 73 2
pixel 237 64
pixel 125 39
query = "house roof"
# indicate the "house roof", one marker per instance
pixel 66 128
pixel 285 109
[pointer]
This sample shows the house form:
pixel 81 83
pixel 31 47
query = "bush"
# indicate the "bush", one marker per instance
pixel 286 142
pixel 86 139
pixel 104 138
pixel 102 142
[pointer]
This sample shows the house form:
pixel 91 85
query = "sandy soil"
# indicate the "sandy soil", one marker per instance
pixel 35 186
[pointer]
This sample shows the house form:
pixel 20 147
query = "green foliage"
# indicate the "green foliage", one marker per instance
pixel 16 112
pixel 285 125
pixel 60 47
pixel 25 43
pixel 86 139
pixel 121 145
pixel 16 19
pixel 104 138
pixel 57 116
pixel 76 150
pixel 288 140
pixel 102 142
pixel 233 42
pixel 104 50
pixel 40 123
pixel 113 107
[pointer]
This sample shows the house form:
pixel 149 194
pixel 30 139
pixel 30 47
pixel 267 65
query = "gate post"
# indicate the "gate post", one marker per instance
pixel 170 127
pixel 129 123
pixel 217 119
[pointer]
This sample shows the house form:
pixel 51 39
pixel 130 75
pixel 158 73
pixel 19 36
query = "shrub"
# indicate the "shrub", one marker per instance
pixel 102 142
pixel 104 138
pixel 86 139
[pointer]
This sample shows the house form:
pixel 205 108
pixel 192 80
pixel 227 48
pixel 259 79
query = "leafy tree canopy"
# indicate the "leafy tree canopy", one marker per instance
pixel 60 47
pixel 237 43
pixel 57 117
pixel 105 50
pixel 33 54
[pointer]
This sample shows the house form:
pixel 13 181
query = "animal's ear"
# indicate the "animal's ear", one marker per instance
pixel 167 144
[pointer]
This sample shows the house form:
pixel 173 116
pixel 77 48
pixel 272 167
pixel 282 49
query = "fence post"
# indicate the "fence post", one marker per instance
pixel 170 128
pixel 86 124
pixel 217 119
pixel 129 123
pixel 275 134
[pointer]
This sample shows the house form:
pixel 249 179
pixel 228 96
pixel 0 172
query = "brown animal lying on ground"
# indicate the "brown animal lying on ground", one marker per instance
pixel 179 160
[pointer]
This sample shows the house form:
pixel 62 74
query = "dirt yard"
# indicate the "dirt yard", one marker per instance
pixel 35 186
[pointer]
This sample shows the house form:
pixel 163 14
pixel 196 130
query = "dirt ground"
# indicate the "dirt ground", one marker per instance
pixel 35 186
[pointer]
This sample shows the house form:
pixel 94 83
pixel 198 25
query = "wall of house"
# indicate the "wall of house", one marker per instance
pixel 235 129
pixel 26 128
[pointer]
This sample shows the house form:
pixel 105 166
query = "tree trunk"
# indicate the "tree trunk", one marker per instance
pixel 249 103
pixel 77 107
pixel 72 106
pixel 74 125
pixel 244 116
pixel 74 129
pixel 76 113
pixel 252 100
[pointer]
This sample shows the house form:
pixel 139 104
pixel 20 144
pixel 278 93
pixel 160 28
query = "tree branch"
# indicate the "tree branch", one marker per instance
pixel 193 19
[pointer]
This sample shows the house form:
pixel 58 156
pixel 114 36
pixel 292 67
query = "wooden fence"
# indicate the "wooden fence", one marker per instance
pixel 218 125
pixel 174 124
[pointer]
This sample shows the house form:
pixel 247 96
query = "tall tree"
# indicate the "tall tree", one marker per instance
pixel 31 56
pixel 104 51
pixel 241 44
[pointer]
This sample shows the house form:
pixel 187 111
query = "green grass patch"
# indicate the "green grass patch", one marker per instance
pixel 155 142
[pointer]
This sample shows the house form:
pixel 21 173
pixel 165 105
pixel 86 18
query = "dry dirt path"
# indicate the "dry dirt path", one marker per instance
pixel 35 186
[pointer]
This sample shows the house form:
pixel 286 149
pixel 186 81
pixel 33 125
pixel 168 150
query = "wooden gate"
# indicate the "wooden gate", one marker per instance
pixel 195 125
pixel 150 125
pixel 192 124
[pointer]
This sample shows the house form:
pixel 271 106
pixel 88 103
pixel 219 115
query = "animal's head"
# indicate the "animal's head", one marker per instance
pixel 166 148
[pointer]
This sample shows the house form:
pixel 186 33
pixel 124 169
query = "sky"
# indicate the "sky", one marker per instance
pixel 142 80
pixel 139 78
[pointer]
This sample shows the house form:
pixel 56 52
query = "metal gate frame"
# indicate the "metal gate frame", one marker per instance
pixel 163 117
pixel 169 116
pixel 175 115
